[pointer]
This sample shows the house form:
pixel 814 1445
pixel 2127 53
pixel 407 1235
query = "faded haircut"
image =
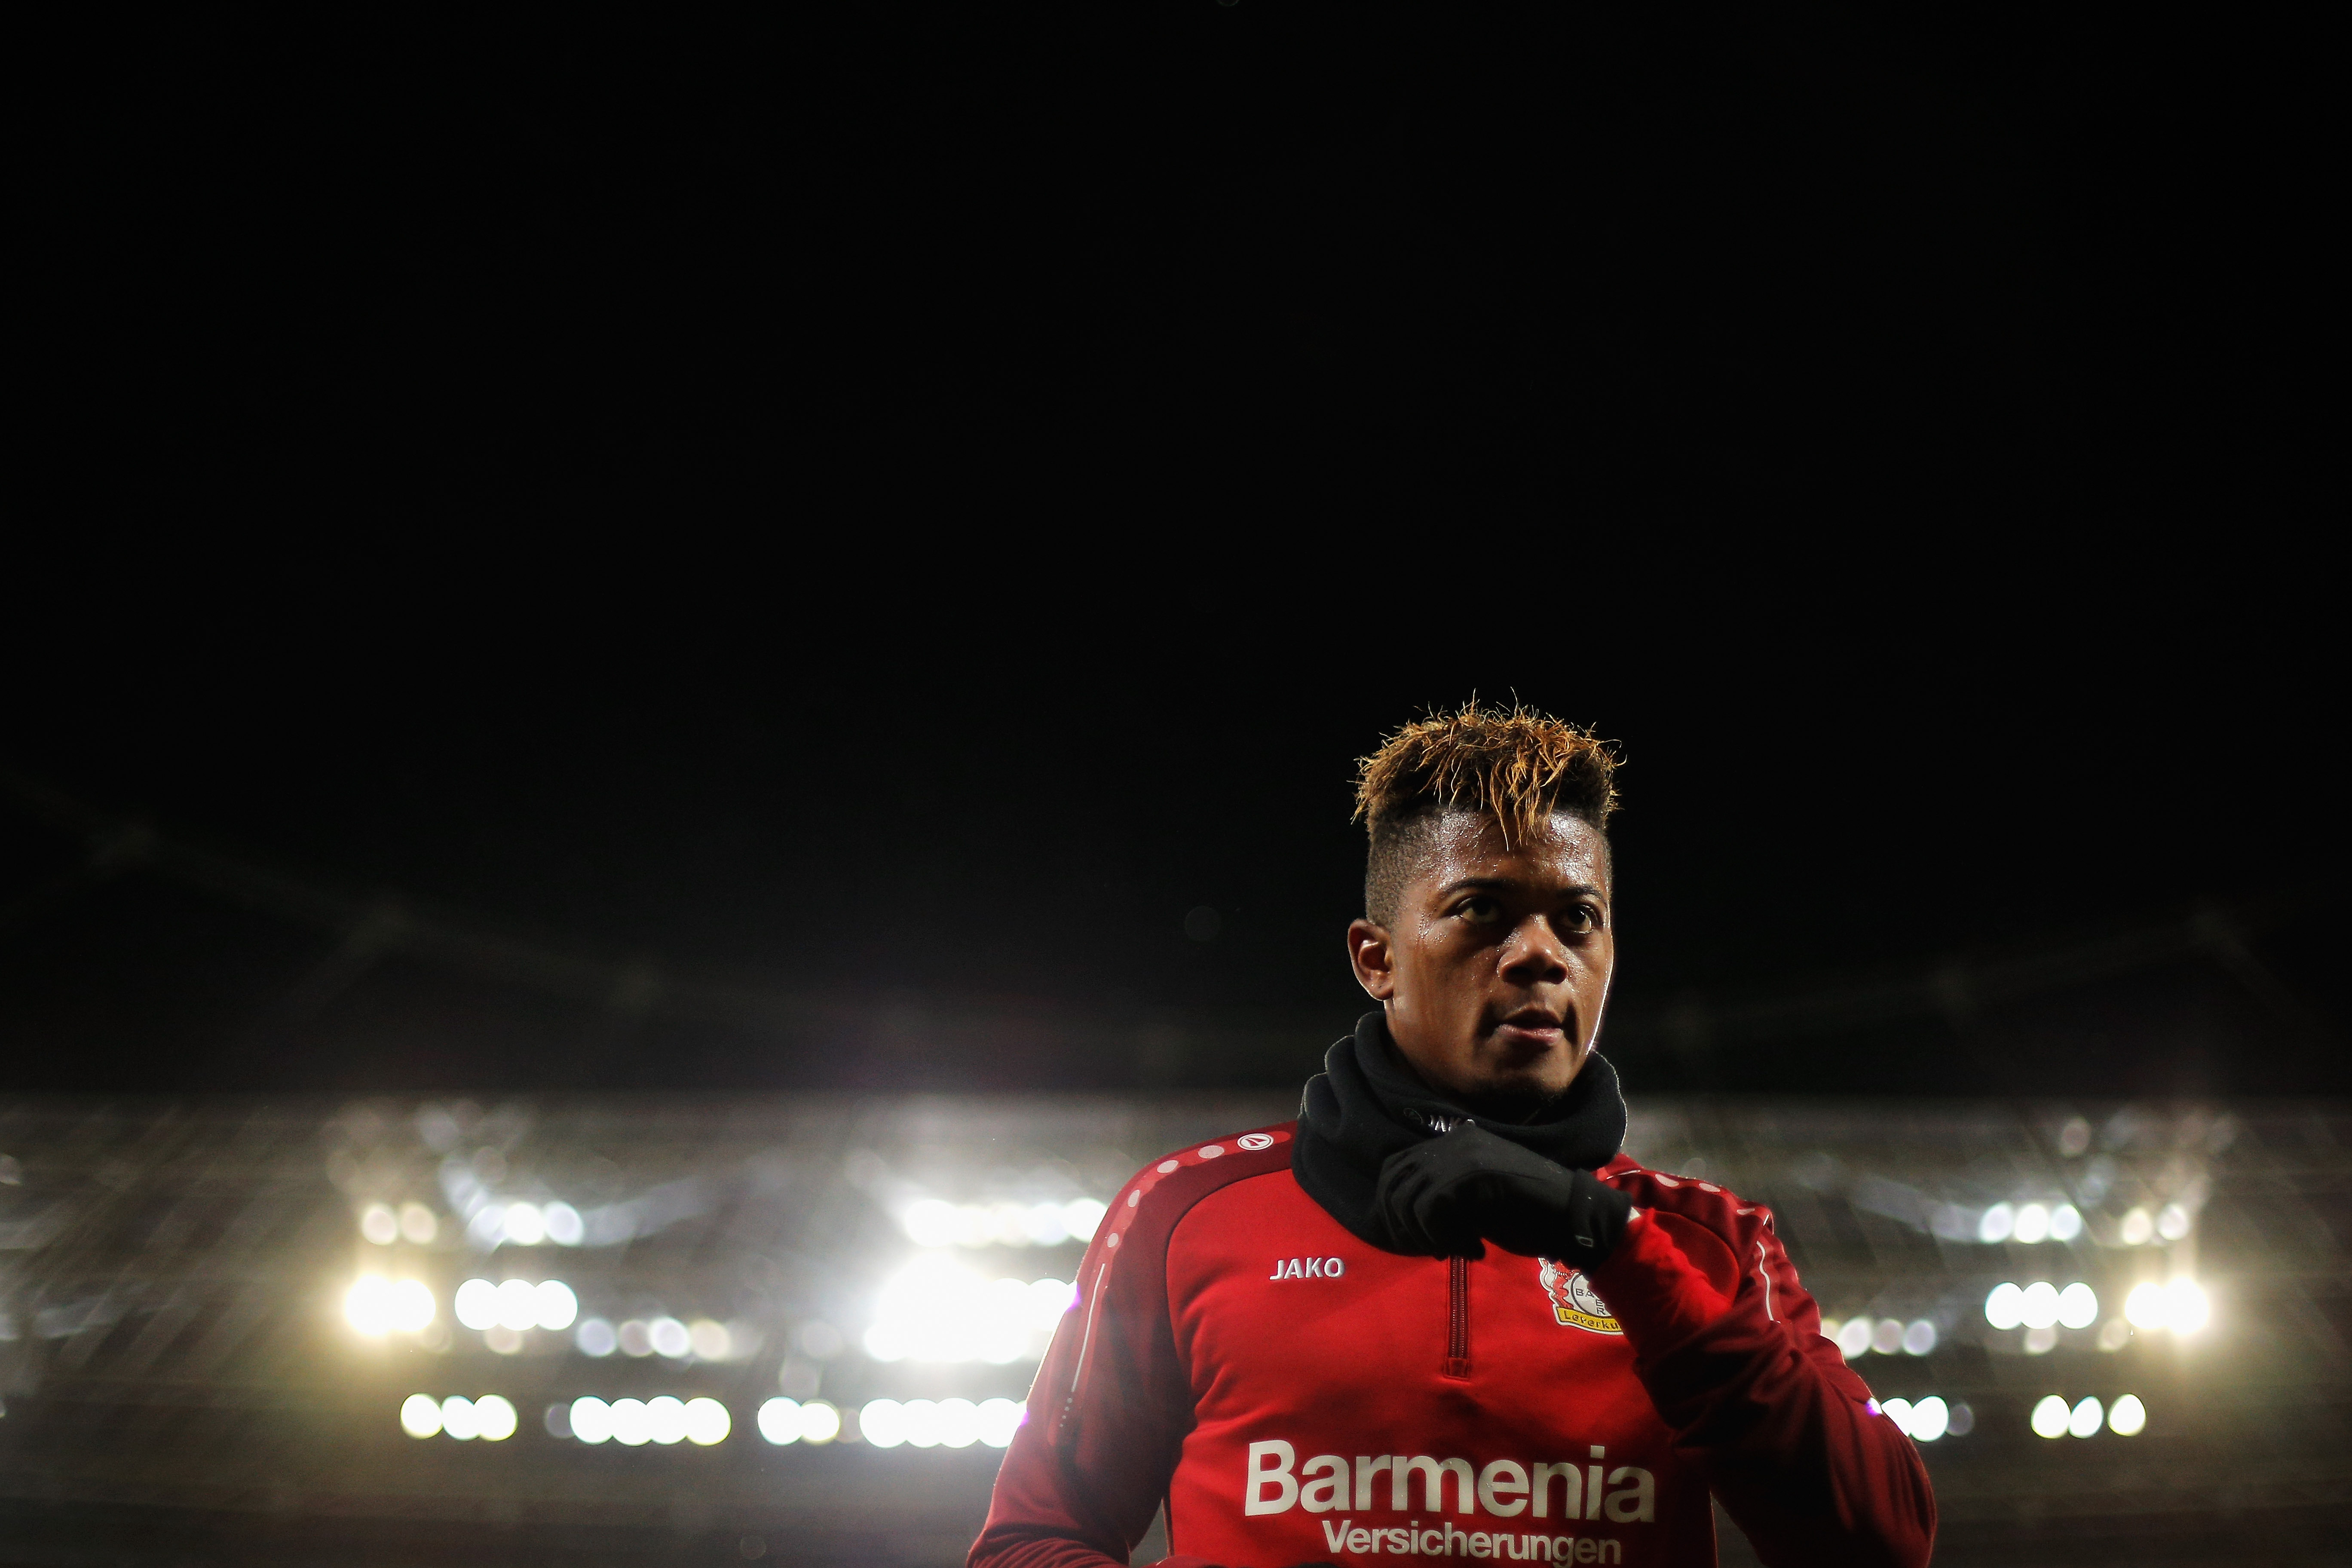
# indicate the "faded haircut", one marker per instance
pixel 1518 766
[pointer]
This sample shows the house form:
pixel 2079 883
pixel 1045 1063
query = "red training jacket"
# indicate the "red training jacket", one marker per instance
pixel 1296 1396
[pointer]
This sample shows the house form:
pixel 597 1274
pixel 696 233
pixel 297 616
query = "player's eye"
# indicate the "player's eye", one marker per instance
pixel 1581 920
pixel 1480 911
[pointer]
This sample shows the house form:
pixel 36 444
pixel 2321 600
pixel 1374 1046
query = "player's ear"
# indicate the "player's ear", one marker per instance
pixel 1374 962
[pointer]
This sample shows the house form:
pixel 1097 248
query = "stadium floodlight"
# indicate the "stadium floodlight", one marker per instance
pixel 1930 1419
pixel 2127 1417
pixel 2181 1306
pixel 2135 1229
pixel 2033 1224
pixel 1081 1215
pixel 1897 1411
pixel 2173 1222
pixel 595 1337
pixel 931 1222
pixel 630 1427
pixel 820 1421
pixel 2065 1223
pixel 420 1416
pixel 2005 1307
pixel 418 1224
pixel 1996 1224
pixel 376 1307
pixel 2050 1417
pixel 2186 1307
pixel 1918 1337
pixel 1855 1338
pixel 379 1225
pixel 922 1422
pixel 2086 1418
pixel 563 1225
pixel 525 1225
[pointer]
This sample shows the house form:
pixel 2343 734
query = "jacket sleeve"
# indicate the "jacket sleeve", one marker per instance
pixel 1729 1346
pixel 1107 1416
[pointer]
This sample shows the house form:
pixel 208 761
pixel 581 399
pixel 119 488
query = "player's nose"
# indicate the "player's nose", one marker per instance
pixel 1535 953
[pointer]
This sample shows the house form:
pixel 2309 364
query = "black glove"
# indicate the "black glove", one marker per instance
pixel 1441 1196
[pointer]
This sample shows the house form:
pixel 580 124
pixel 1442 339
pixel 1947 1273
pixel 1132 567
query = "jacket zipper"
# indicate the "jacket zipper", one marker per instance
pixel 1458 1318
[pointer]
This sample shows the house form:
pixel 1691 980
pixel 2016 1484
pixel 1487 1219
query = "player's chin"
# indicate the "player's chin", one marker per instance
pixel 1520 1066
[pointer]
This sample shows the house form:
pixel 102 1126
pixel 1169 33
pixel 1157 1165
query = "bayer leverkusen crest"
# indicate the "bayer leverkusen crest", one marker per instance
pixel 1574 1302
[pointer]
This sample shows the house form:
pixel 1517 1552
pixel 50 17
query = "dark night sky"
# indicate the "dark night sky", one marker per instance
pixel 901 515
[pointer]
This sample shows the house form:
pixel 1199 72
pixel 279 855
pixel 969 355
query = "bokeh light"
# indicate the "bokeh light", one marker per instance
pixel 2065 1223
pixel 669 1339
pixel 665 1419
pixel 1996 1224
pixel 2050 1417
pixel 2078 1306
pixel 1930 1419
pixel 630 1427
pixel 2032 1224
pixel 780 1421
pixel 820 1421
pixel 494 1418
pixel 592 1420
pixel 458 1418
pixel 553 1305
pixel 935 1310
pixel 2127 1417
pixel 517 1304
pixel 2037 1308
pixel 419 1225
pixel 2087 1419
pixel 524 1226
pixel 595 1337
pixel 420 1416
pixel 477 1305
pixel 379 1225
pixel 999 1419
pixel 882 1423
pixel 936 1223
pixel 2005 1307
pixel 707 1422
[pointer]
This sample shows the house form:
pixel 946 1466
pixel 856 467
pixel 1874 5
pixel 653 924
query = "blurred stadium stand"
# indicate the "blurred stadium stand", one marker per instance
pixel 187 1379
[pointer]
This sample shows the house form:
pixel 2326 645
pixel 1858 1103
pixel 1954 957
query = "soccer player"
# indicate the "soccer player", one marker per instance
pixel 1442 1314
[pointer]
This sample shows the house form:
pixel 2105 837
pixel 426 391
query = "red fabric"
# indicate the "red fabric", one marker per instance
pixel 1273 1405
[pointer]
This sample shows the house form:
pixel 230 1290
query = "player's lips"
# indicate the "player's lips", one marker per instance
pixel 1532 1026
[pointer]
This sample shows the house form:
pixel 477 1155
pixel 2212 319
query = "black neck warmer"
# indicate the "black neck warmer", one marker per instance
pixel 1366 1104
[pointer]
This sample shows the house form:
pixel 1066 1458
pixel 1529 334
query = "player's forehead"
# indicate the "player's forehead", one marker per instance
pixel 1565 852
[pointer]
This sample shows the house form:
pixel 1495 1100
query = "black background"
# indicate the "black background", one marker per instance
pixel 901 509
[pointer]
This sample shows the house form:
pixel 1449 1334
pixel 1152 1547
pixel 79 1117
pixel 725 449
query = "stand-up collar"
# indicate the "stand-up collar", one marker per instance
pixel 1366 1104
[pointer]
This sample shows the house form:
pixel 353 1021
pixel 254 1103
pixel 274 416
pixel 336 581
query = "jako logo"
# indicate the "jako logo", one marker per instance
pixel 1308 1268
pixel 1505 1487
